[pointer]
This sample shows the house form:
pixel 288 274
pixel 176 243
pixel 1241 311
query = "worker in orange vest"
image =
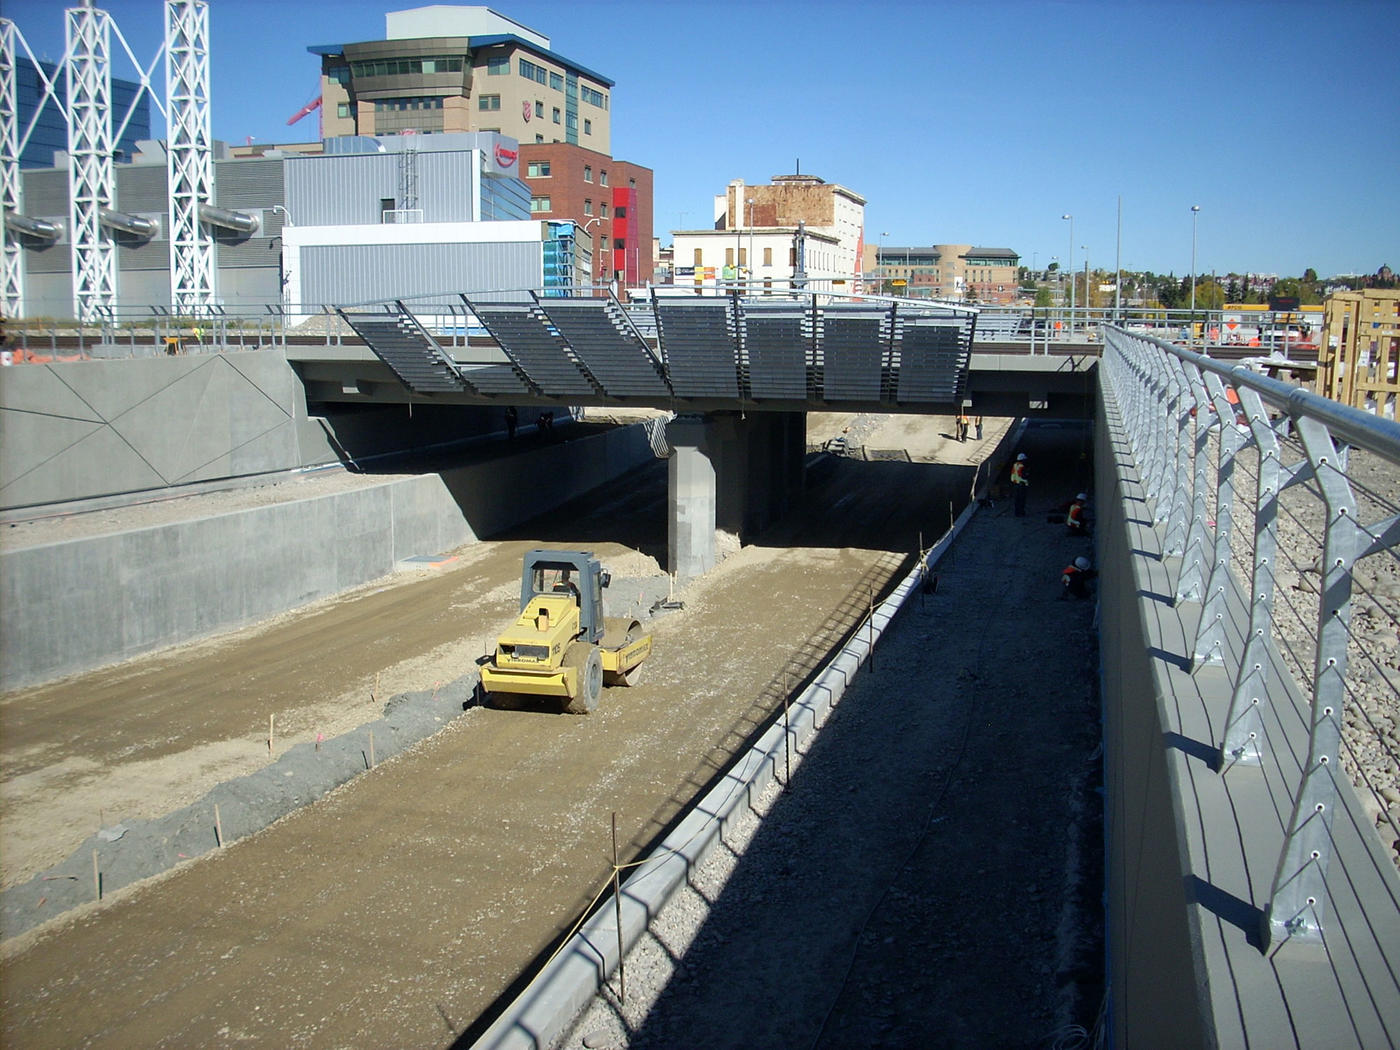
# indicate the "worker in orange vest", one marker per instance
pixel 1074 581
pixel 1077 519
pixel 1020 483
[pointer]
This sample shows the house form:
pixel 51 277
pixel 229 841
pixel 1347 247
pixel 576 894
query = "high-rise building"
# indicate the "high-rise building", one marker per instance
pixel 50 132
pixel 444 68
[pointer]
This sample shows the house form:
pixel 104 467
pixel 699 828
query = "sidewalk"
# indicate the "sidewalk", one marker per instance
pixel 932 876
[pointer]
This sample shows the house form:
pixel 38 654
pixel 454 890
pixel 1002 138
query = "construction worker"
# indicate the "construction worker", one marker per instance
pixel 1020 483
pixel 1077 519
pixel 1074 581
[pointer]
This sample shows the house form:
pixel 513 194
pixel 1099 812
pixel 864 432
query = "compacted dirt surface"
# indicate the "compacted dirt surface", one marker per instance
pixel 397 909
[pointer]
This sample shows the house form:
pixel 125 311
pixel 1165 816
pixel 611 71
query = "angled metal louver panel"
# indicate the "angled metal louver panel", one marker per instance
pixel 932 361
pixel 598 333
pixel 525 335
pixel 410 352
pixel 853 350
pixel 777 339
pixel 698 344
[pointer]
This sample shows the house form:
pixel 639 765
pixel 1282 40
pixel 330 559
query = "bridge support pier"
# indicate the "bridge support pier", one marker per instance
pixel 730 476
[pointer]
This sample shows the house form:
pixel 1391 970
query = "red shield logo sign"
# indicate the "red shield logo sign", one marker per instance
pixel 527 110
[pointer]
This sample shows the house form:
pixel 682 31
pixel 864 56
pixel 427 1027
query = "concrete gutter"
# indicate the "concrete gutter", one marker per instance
pixel 544 1012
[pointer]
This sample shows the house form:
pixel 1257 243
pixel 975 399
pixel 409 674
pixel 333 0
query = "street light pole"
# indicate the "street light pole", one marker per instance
pixel 1071 272
pixel 1195 210
pixel 1088 299
pixel 750 203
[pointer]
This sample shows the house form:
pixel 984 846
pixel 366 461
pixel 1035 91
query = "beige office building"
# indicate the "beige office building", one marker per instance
pixel 441 69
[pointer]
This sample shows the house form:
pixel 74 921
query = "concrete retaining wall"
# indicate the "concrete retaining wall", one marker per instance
pixel 1152 960
pixel 70 607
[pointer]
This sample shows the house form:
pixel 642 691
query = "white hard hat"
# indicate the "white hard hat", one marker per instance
pixel 1021 456
pixel 1082 495
pixel 1081 563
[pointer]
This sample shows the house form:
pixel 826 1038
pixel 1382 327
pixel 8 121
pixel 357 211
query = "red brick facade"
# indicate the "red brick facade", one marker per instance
pixel 584 185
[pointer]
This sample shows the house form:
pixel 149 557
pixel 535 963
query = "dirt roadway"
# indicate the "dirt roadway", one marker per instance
pixel 396 910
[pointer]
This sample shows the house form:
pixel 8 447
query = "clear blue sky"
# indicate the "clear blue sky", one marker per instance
pixel 958 122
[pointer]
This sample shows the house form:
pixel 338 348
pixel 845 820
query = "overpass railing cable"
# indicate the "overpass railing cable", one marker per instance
pixel 1281 506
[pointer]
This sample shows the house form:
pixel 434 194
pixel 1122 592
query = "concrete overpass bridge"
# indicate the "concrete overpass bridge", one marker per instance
pixel 737 373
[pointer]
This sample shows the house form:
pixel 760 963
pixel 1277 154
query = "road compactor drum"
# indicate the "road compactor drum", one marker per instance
pixel 561 645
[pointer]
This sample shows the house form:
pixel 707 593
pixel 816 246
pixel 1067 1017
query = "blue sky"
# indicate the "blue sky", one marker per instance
pixel 958 122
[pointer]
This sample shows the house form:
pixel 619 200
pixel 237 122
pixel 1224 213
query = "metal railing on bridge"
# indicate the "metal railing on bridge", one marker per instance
pixel 1281 506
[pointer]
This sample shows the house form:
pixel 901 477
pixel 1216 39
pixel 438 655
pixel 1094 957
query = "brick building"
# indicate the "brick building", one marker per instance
pixel 610 200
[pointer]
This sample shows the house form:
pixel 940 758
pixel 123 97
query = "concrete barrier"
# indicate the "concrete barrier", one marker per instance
pixel 69 607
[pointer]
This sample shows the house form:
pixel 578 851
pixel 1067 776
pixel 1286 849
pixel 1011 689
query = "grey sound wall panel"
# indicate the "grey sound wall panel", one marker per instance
pixel 344 274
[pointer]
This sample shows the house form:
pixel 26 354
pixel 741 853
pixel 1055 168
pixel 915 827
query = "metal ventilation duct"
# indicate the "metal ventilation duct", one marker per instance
pixel 127 223
pixel 230 220
pixel 36 228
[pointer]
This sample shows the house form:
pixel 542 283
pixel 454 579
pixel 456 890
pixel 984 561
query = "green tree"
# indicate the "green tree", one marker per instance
pixel 1044 297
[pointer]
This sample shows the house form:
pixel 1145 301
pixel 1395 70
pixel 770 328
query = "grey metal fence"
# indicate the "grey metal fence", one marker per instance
pixel 1281 507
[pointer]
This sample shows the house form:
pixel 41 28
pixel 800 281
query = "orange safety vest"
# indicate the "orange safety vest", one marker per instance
pixel 1018 473
pixel 1076 515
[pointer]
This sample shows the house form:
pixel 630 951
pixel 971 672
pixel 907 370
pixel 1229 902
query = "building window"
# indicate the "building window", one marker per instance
pixel 767 256
pixel 537 169
pixel 633 184
pixel 603 209
pixel 530 71
pixel 587 173
pixel 602 178
pixel 556 114
pixel 588 207
pixel 539 204
pixel 488 102
pixel 539 108
pixel 342 110
pixel 587 126
pixel 539 140
pixel 593 96
pixel 619 243
pixel 556 81
pixel 392 67
pixel 498 65
pixel 729 257
pixel 698 253
pixel 620 213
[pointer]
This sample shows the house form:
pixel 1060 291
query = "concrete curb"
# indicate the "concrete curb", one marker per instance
pixel 544 1012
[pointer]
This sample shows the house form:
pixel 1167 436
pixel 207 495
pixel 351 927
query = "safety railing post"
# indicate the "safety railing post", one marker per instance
pixel 1296 902
pixel 1172 512
pixel 1243 739
pixel 1210 630
pixel 1191 582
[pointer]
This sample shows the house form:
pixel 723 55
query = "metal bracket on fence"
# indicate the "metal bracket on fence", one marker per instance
pixel 1210 631
pixel 1300 887
pixel 1244 726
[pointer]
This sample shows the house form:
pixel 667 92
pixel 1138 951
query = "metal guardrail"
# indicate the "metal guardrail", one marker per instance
pixel 1311 548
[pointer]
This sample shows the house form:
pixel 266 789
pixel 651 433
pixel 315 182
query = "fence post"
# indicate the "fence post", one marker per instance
pixel 1299 890
pixel 1244 732
pixel 1191 582
pixel 1210 630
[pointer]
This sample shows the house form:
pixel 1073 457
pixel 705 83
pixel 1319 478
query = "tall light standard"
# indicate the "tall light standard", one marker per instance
pixel 1195 210
pixel 880 259
pixel 750 204
pixel 1088 299
pixel 1071 271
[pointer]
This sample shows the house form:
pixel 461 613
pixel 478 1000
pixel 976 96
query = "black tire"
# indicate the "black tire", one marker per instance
pixel 588 662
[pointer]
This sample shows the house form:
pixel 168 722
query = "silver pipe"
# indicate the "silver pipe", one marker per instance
pixel 37 228
pixel 230 220
pixel 127 223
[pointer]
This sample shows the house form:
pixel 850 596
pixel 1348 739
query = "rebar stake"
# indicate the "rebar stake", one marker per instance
pixel 617 905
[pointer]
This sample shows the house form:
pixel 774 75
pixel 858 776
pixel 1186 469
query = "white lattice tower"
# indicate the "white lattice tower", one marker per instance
pixel 190 153
pixel 11 258
pixel 91 179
